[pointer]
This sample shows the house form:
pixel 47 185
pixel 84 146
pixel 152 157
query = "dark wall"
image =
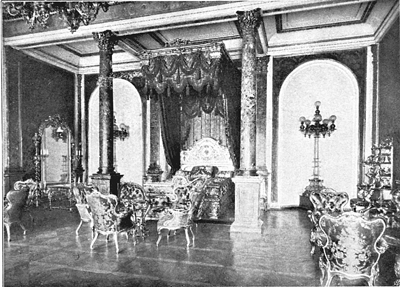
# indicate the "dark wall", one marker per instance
pixel 44 91
pixel 389 91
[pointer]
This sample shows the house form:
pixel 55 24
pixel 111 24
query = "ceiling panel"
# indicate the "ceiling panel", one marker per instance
pixel 216 31
pixel 328 17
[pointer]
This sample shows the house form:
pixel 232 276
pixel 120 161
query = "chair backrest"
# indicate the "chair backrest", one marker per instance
pixel 103 207
pixel 31 185
pixel 396 199
pixel 351 247
pixel 328 200
pixel 16 201
pixel 132 196
pixel 80 190
pixel 188 197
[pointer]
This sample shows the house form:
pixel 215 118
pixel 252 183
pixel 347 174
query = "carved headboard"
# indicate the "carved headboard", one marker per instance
pixel 207 152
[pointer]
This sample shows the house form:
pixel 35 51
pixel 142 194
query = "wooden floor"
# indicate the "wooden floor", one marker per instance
pixel 52 255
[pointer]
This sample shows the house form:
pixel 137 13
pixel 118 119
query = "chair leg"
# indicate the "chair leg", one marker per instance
pixel 159 238
pixel 94 239
pixel 328 279
pixel 116 242
pixel 8 232
pixel 77 230
pixel 187 236
pixel 191 230
pixel 23 228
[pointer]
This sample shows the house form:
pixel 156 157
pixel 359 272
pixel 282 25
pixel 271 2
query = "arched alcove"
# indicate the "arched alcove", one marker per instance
pixel 129 155
pixel 335 86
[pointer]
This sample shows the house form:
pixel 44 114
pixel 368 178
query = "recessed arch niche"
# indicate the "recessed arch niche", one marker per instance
pixel 336 87
pixel 129 155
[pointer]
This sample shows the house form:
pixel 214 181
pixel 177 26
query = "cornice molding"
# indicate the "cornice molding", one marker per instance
pixel 387 23
pixel 181 19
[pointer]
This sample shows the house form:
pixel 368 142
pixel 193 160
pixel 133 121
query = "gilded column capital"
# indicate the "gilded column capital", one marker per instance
pixel 105 40
pixel 249 20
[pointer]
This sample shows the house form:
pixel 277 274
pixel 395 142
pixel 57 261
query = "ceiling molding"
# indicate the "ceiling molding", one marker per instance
pixel 180 19
pixel 51 60
pixel 131 46
pixel 388 22
pixel 321 46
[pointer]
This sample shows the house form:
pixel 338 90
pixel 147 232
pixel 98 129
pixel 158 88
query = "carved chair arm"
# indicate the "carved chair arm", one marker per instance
pixel 382 245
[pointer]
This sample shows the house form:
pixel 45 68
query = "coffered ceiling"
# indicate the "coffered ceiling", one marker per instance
pixel 288 28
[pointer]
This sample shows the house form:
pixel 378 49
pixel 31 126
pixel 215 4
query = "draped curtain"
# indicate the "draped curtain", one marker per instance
pixel 189 81
pixel 170 131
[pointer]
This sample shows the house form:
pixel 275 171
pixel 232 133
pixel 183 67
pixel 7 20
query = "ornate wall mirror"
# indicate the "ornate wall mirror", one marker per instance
pixel 56 157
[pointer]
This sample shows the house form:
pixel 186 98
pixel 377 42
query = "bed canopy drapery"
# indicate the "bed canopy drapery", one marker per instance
pixel 189 81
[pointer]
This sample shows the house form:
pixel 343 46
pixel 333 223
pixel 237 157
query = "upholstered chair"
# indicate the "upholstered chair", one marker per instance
pixel 325 201
pixel 15 203
pixel 133 199
pixel 79 191
pixel 106 220
pixel 396 212
pixel 181 215
pixel 352 248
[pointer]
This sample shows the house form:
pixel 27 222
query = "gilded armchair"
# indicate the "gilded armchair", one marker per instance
pixel 326 201
pixel 106 220
pixel 181 214
pixel 15 203
pixel 133 199
pixel 353 246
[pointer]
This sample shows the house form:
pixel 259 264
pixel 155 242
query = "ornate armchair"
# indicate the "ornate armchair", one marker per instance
pixel 133 199
pixel 352 247
pixel 15 203
pixel 79 191
pixel 181 215
pixel 106 220
pixel 326 201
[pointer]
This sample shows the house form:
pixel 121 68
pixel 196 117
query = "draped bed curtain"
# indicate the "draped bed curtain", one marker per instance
pixel 189 82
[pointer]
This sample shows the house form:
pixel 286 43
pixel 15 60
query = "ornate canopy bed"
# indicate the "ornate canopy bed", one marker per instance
pixel 200 117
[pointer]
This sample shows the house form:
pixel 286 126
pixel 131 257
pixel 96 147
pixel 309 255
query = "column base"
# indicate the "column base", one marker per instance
pixel 107 183
pixel 247 204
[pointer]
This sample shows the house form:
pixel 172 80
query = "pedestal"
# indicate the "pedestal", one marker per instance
pixel 315 185
pixel 107 183
pixel 247 204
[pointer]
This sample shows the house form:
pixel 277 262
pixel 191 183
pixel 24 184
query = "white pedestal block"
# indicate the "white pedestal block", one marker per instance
pixel 247 204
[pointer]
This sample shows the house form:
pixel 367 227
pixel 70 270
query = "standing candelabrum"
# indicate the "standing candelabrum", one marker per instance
pixel 316 128
pixel 36 161
pixel 78 164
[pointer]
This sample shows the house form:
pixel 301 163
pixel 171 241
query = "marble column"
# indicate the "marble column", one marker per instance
pixel 154 170
pixel 248 186
pixel 106 179
pixel 261 126
pixel 78 169
pixel 249 21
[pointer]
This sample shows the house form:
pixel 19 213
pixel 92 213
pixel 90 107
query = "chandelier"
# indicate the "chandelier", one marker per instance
pixel 73 13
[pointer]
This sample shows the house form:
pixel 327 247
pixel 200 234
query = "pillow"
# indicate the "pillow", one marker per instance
pixel 203 171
